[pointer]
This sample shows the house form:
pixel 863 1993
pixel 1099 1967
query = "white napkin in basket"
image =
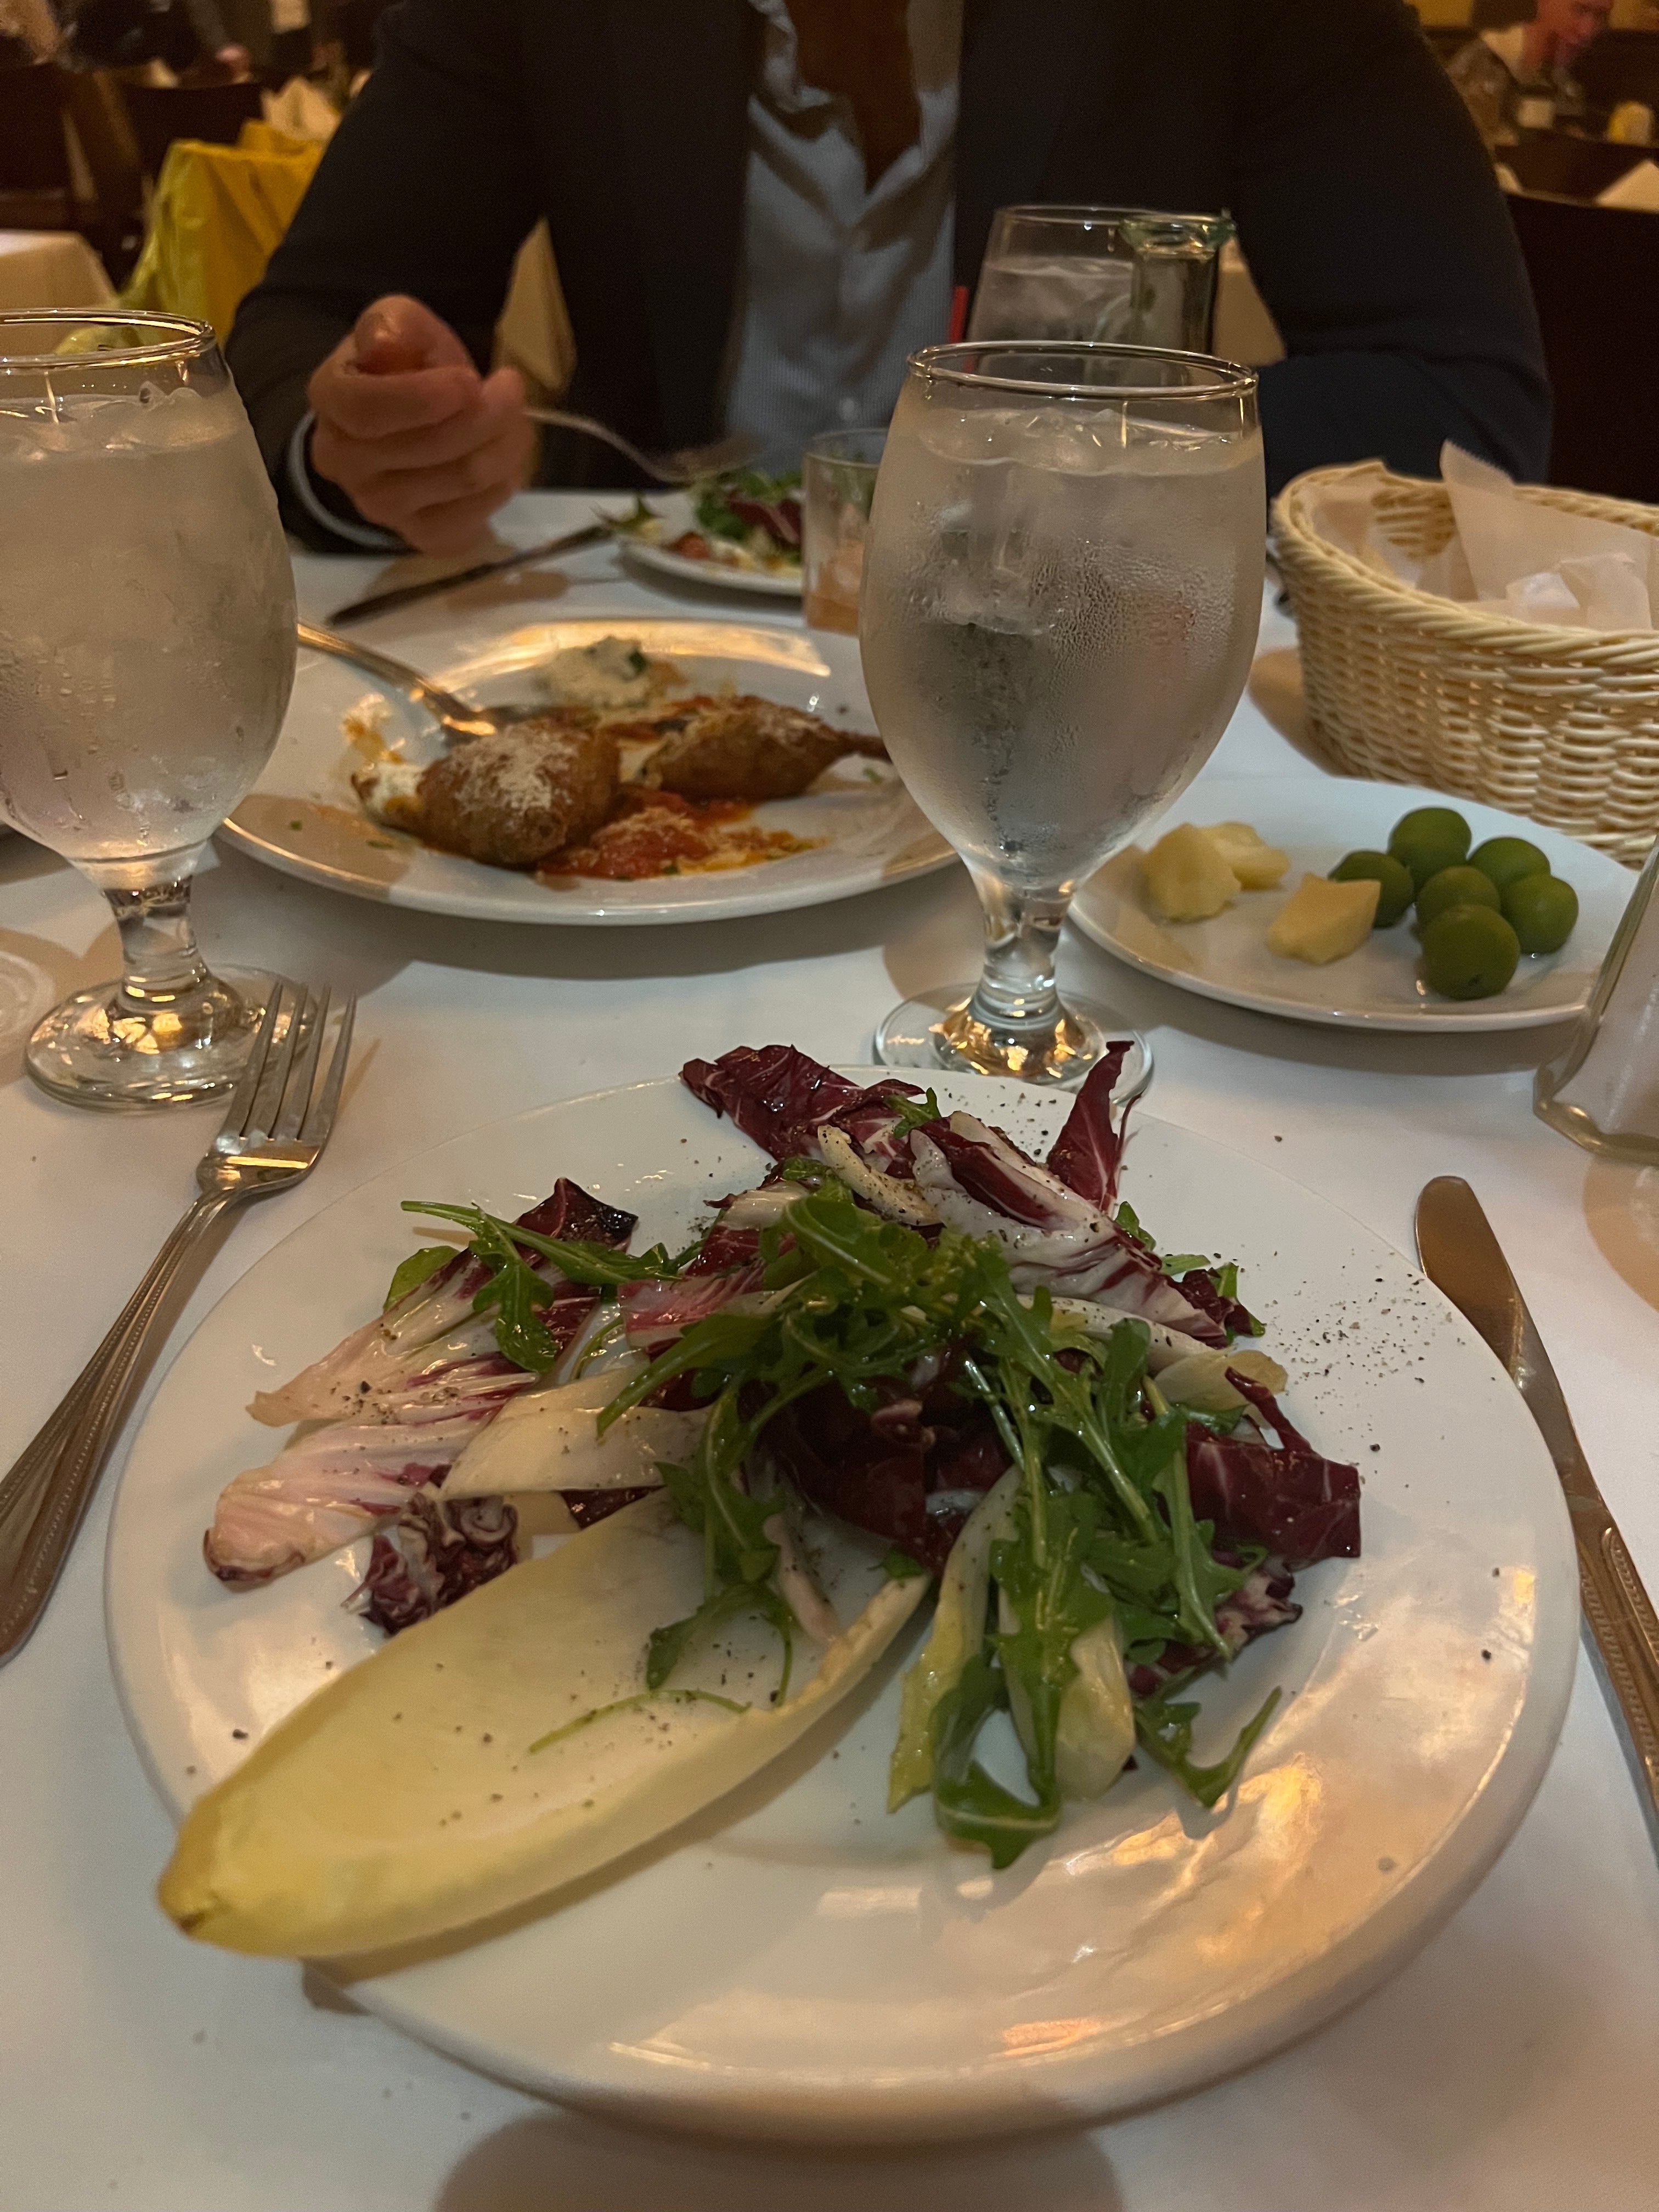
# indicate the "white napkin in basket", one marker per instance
pixel 1507 556
pixel 1539 564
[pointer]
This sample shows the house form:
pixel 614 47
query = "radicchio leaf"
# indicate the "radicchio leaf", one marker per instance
pixel 1255 1609
pixel 879 1472
pixel 1088 1153
pixel 1300 1505
pixel 778 1096
pixel 779 517
pixel 978 1180
pixel 434 1552
pixel 402 1398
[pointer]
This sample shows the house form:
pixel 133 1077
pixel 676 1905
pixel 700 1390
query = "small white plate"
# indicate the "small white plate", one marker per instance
pixel 796 1962
pixel 1316 819
pixel 677 512
pixel 303 816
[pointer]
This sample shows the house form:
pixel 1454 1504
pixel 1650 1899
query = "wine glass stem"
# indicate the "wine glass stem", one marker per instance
pixel 1017 989
pixel 162 971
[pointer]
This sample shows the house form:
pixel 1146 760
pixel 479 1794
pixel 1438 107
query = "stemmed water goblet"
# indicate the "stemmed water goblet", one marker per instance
pixel 147 648
pixel 1062 590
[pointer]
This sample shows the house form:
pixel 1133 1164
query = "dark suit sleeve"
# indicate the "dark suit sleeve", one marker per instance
pixel 1374 226
pixel 426 188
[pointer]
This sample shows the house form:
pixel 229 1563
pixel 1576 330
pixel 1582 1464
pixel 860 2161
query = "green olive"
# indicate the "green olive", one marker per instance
pixel 1469 952
pixel 1454 887
pixel 1429 839
pixel 1506 859
pixel 1542 911
pixel 1393 876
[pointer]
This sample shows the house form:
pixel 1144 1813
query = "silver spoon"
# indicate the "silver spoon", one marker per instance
pixel 456 716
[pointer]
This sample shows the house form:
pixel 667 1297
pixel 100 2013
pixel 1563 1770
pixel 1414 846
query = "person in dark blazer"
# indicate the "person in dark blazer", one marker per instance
pixel 758 208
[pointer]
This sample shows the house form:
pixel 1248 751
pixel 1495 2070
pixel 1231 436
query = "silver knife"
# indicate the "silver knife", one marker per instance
pixel 1460 1253
pixel 405 595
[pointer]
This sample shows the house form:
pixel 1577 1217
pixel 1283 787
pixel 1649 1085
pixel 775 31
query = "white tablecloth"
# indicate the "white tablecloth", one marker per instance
pixel 1510 2067
pixel 51 269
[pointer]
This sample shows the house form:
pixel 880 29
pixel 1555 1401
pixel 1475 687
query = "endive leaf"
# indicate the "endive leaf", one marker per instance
pixel 403 1801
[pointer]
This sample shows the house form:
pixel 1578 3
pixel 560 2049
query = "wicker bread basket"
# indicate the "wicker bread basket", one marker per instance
pixel 1561 726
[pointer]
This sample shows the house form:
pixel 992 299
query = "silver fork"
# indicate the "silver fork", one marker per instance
pixel 683 467
pixel 279 1120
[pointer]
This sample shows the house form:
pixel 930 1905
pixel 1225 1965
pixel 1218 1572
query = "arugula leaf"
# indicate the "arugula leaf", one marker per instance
pixel 640 1699
pixel 899 1567
pixel 1164 1726
pixel 967 1803
pixel 914 1113
pixel 1128 1221
pixel 599 1265
pixel 641 515
pixel 668 1646
pixel 411 1273
pixel 1046 1602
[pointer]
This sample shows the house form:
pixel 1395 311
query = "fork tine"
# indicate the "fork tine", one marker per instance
pixel 296 1096
pixel 695 461
pixel 247 1083
pixel 274 1081
pixel 320 1121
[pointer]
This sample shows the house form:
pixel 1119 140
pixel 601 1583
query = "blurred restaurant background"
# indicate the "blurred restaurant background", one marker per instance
pixel 156 150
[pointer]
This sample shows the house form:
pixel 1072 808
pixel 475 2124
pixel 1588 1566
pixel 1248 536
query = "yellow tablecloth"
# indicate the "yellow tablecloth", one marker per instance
pixel 51 269
pixel 218 215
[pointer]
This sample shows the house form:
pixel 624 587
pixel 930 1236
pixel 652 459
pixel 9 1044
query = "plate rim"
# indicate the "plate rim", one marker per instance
pixel 1041 2094
pixel 715 575
pixel 874 874
pixel 1448 1020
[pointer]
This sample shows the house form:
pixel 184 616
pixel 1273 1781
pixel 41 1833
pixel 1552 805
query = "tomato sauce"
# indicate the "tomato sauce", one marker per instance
pixel 657 833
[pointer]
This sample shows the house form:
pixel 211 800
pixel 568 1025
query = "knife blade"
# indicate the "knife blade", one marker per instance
pixel 1460 1253
pixel 406 595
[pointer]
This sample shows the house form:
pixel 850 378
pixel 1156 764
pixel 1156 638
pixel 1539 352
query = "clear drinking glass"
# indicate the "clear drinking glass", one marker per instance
pixel 1063 585
pixel 1603 1090
pixel 1122 275
pixel 838 482
pixel 146 651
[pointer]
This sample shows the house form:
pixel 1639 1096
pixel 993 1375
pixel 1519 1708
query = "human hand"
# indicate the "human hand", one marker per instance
pixel 236 59
pixel 406 426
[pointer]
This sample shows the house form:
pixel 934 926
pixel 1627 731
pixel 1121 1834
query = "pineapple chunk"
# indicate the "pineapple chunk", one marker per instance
pixel 1258 867
pixel 1321 921
pixel 1186 879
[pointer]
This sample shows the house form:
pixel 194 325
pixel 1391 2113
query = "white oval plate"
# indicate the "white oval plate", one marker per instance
pixel 303 818
pixel 798 1962
pixel 678 514
pixel 1316 819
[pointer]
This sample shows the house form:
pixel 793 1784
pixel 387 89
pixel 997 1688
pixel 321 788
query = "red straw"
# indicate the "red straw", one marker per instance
pixel 958 312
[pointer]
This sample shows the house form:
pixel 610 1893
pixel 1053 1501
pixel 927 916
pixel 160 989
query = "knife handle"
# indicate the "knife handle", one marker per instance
pixel 1622 1621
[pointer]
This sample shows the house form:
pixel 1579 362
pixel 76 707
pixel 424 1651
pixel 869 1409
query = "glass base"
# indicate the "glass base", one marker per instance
pixel 933 1031
pixel 96 1050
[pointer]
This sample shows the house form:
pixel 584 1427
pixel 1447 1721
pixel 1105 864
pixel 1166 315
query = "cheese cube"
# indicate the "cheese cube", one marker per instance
pixel 1186 879
pixel 1258 867
pixel 1321 921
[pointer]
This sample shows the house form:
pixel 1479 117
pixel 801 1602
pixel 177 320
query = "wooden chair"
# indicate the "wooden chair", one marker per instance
pixel 37 191
pixel 160 114
pixel 98 115
pixel 1592 271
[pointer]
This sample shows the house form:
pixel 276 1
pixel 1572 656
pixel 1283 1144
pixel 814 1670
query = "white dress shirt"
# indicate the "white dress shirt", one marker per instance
pixel 840 281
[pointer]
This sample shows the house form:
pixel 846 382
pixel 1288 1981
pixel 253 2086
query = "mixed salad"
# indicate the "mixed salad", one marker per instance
pixel 910 1359
pixel 745 520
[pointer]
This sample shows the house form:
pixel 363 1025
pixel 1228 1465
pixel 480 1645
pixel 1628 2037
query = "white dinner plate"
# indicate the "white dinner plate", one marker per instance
pixel 677 511
pixel 796 1961
pixel 1316 819
pixel 303 818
